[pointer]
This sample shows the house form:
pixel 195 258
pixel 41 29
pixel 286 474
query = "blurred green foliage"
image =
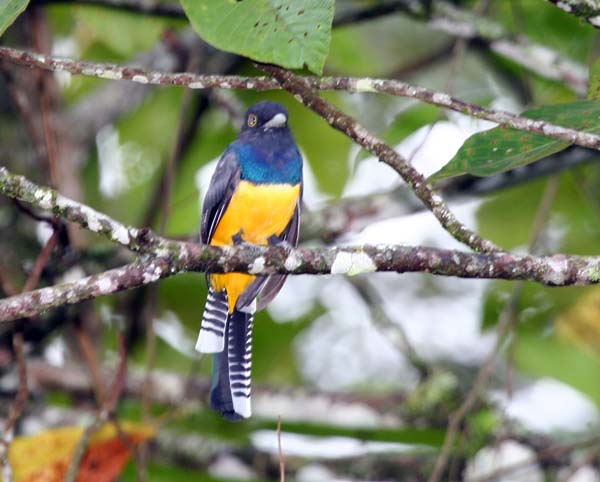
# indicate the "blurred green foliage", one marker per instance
pixel 9 11
pixel 392 46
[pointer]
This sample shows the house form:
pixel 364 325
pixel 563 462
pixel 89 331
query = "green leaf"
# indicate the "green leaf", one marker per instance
pixel 502 149
pixel 551 357
pixel 9 11
pixel 124 33
pixel 594 87
pixel 282 32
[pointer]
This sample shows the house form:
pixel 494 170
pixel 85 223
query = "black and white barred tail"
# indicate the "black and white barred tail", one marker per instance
pixel 214 323
pixel 231 390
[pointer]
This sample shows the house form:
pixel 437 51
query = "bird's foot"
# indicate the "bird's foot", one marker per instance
pixel 238 239
pixel 274 240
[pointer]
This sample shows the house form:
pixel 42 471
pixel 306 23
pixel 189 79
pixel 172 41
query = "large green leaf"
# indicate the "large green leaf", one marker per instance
pixel 594 87
pixel 551 357
pixel 502 149
pixel 282 32
pixel 9 11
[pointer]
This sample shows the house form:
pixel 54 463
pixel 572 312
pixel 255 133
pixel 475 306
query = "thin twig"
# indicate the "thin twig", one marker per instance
pixel 45 83
pixel 505 324
pixel 91 360
pixel 21 399
pixel 540 220
pixel 383 322
pixel 104 414
pixel 16 409
pixel 82 446
pixel 280 452
pixel 41 261
pixel 5 282
pixel 348 84
pixel 478 385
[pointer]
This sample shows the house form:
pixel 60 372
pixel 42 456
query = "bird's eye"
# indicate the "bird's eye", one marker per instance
pixel 252 120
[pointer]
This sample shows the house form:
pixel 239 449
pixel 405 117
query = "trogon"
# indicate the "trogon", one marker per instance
pixel 255 197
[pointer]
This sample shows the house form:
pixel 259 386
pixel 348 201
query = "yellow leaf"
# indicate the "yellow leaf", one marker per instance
pixel 581 323
pixel 46 455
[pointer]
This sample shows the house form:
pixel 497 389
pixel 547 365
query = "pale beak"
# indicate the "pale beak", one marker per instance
pixel 278 120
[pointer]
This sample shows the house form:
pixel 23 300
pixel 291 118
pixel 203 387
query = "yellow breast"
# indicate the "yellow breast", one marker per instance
pixel 258 211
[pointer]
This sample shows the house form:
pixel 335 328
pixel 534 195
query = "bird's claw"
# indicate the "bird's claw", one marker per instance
pixel 274 240
pixel 237 238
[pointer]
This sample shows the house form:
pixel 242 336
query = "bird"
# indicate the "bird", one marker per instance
pixel 255 197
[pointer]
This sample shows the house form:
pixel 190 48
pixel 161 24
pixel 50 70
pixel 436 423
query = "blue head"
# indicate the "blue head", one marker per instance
pixel 266 148
pixel 265 116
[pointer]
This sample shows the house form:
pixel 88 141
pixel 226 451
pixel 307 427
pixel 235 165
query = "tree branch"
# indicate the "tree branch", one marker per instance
pixel 20 188
pixel 556 270
pixel 303 92
pixel 588 10
pixel 164 257
pixel 348 84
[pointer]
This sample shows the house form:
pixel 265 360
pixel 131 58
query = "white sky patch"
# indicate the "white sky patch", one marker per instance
pixel 74 274
pixel 428 149
pixel 122 166
pixel 322 447
pixel 548 405
pixel 55 351
pixel 440 315
pixel 374 176
pixel 67 47
pixel 170 329
pixel 297 297
pixel 587 473
pixel 319 409
pixel 229 467
pixel 342 349
pixel 317 473
pixel 43 232
pixel 507 454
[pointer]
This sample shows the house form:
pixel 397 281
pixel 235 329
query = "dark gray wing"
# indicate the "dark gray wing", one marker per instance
pixel 275 282
pixel 220 190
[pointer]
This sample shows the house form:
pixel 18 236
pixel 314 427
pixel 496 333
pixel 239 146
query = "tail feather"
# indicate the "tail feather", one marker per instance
pixel 231 389
pixel 214 323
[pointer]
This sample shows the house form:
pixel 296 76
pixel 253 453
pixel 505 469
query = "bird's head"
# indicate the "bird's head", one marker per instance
pixel 265 116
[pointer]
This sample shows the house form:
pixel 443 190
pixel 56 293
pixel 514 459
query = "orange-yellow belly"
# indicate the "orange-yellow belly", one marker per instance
pixel 259 211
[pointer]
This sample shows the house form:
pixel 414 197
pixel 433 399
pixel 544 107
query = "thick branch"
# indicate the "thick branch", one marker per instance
pixel 165 257
pixel 20 188
pixel 557 270
pixel 349 84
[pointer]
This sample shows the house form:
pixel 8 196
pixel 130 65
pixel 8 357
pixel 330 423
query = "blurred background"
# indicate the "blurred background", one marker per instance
pixel 364 371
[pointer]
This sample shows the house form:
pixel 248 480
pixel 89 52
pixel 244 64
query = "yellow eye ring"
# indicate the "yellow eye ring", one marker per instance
pixel 252 120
